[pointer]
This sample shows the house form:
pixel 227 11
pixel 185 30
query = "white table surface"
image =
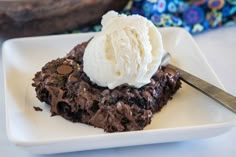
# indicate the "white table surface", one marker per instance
pixel 219 47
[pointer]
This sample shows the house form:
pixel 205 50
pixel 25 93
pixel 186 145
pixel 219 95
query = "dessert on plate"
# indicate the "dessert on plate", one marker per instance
pixel 113 81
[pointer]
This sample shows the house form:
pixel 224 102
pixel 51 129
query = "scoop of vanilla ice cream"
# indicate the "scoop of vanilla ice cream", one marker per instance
pixel 128 50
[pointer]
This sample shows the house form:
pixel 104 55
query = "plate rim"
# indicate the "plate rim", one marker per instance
pixel 227 125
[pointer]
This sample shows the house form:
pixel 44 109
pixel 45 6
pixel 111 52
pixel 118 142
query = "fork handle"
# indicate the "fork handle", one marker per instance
pixel 219 95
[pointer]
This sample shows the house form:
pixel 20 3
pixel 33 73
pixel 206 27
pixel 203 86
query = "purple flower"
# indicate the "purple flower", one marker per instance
pixel 193 15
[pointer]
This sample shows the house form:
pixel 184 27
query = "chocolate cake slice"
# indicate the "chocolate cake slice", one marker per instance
pixel 65 87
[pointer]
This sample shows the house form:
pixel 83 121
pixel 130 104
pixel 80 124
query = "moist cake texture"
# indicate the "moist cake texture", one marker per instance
pixel 64 86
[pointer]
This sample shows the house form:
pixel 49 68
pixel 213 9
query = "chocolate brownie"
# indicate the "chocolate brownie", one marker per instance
pixel 67 89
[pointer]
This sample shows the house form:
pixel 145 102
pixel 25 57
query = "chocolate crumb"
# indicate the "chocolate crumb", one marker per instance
pixel 36 108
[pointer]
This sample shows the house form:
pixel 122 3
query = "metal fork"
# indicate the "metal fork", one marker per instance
pixel 219 95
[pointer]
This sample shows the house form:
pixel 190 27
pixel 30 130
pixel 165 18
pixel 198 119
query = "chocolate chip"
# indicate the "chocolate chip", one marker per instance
pixel 64 69
pixel 72 78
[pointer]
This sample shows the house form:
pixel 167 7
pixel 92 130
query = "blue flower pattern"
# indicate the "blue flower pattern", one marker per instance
pixel 193 15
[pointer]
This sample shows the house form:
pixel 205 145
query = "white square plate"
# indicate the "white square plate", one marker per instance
pixel 190 115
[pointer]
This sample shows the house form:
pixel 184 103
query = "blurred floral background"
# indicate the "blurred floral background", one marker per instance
pixel 193 15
